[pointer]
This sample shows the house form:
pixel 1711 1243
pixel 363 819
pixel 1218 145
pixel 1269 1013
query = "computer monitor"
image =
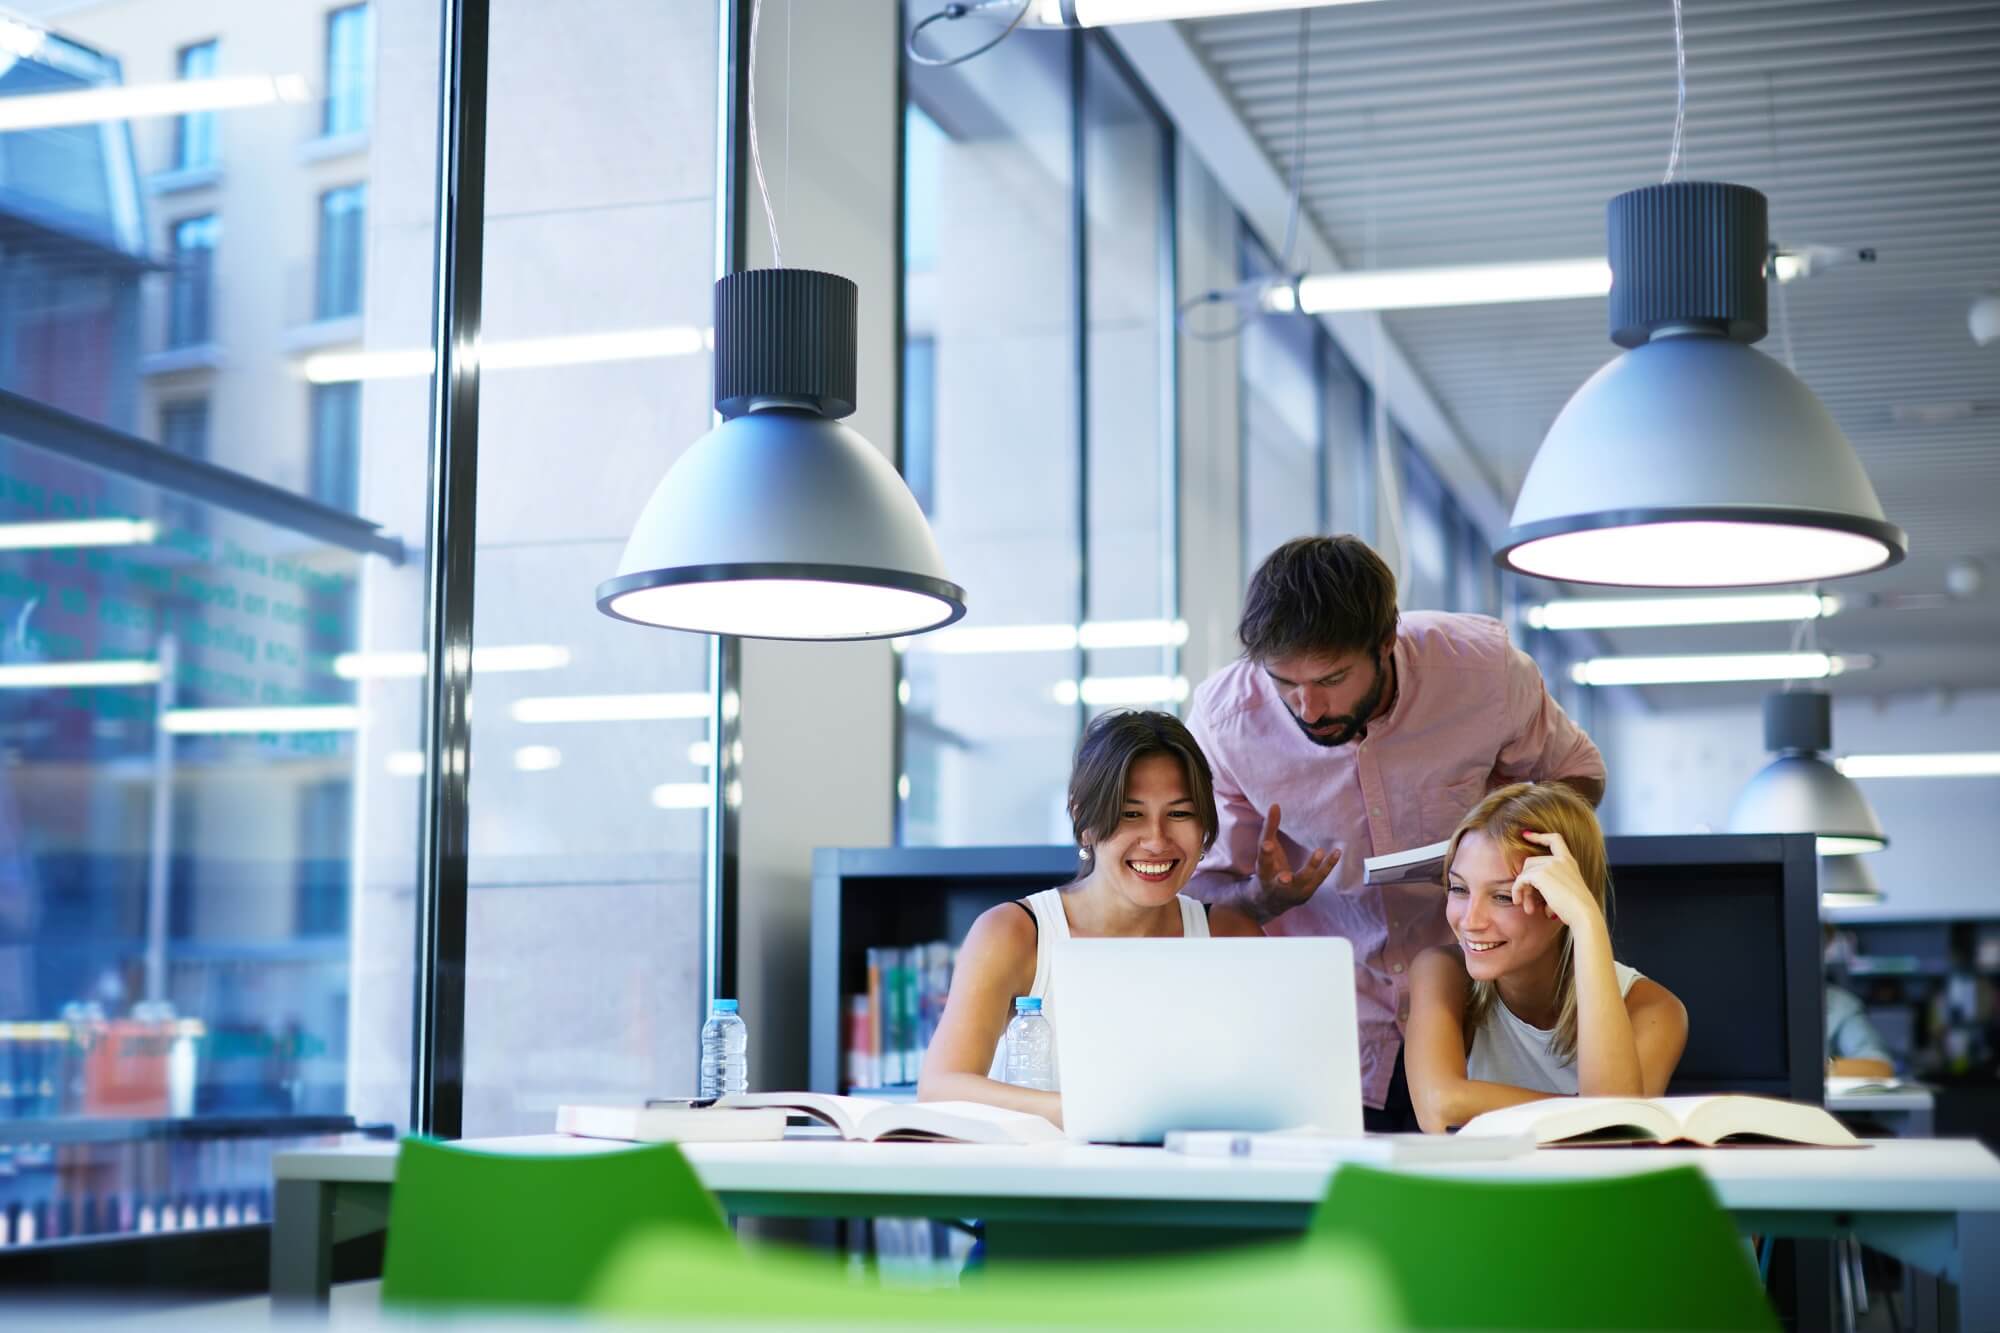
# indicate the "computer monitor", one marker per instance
pixel 1730 924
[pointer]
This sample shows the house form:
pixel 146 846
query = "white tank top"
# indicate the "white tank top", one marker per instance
pixel 1052 924
pixel 1508 1050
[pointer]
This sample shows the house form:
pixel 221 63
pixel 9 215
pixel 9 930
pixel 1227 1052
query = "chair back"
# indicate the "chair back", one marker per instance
pixel 470 1228
pixel 1651 1251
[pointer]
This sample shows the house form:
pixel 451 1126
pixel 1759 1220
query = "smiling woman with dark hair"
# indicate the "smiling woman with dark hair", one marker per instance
pixel 1142 805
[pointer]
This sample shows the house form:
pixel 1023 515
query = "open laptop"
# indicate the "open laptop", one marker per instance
pixel 1248 1034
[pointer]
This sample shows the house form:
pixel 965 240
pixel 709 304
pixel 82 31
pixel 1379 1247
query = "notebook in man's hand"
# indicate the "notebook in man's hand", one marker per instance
pixel 1414 865
pixel 872 1120
pixel 1708 1122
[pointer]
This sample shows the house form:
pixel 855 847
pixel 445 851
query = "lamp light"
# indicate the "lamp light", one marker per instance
pixel 781 523
pixel 1693 461
pixel 1799 792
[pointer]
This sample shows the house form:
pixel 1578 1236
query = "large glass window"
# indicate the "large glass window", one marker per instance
pixel 1130 641
pixel 1429 533
pixel 342 223
pixel 1285 489
pixel 196 144
pixel 350 69
pixel 591 741
pixel 191 298
pixel 1350 454
pixel 991 262
pixel 336 445
pixel 206 855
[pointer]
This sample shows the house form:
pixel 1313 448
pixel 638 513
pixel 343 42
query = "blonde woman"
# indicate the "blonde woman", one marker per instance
pixel 1527 1002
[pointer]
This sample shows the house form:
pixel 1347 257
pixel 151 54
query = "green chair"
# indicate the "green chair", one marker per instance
pixel 474 1228
pixel 1274 1286
pixel 1652 1251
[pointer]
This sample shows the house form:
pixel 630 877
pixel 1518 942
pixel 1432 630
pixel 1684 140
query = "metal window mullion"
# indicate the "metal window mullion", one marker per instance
pixel 1080 305
pixel 438 1083
pixel 1170 378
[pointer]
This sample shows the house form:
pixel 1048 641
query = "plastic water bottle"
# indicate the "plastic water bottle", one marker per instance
pixel 725 1045
pixel 1031 1046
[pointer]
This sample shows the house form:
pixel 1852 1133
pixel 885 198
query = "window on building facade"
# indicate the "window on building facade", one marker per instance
pixel 350 69
pixel 336 445
pixel 342 243
pixel 191 289
pixel 196 143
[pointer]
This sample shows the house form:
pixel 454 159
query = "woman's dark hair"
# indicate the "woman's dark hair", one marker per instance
pixel 1111 744
pixel 1330 595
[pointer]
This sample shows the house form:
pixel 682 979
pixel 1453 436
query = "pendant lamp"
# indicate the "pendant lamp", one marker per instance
pixel 1799 791
pixel 1693 460
pixel 1846 881
pixel 781 523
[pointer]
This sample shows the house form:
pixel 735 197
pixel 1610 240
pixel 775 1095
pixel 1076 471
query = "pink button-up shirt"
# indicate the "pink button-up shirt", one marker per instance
pixel 1471 714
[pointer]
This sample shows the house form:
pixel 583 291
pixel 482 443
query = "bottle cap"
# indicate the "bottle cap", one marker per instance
pixel 724 1007
pixel 1027 1004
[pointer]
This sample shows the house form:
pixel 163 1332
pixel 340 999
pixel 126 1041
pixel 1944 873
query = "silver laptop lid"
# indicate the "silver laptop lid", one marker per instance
pixel 1249 1034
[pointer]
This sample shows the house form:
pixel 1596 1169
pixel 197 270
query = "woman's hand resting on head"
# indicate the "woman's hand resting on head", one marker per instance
pixel 1554 884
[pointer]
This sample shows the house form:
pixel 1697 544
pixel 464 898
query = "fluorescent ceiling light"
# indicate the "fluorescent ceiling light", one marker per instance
pixel 500 657
pixel 71 675
pixel 1108 691
pixel 1640 612
pixel 1695 668
pixel 681 796
pixel 516 354
pixel 87 106
pixel 537 758
pixel 701 754
pixel 1100 13
pixel 1451 285
pixel 1091 634
pixel 241 721
pixel 614 707
pixel 1841 845
pixel 1961 765
pixel 77 532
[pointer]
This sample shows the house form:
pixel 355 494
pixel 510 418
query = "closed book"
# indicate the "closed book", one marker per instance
pixel 1413 865
pixel 670 1123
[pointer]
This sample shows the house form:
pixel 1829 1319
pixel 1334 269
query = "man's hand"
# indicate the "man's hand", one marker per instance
pixel 1279 887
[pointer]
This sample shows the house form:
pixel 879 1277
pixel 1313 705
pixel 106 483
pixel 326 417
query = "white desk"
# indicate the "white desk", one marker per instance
pixel 1932 1203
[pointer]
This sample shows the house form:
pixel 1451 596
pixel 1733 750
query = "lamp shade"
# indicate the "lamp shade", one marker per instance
pixel 1846 881
pixel 1693 460
pixel 781 522
pixel 1800 792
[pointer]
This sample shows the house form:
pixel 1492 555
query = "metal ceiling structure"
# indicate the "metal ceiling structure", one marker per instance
pixel 1466 131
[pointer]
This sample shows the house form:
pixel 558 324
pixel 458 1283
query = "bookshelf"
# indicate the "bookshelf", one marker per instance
pixel 871 897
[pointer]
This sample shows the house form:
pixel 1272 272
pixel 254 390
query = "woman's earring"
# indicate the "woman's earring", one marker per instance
pixel 1083 853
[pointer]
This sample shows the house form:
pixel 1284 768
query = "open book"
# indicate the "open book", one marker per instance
pixel 871 1120
pixel 1414 865
pixel 1707 1121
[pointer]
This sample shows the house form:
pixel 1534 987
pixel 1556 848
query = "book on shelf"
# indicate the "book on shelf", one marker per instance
pixel 670 1122
pixel 1707 1122
pixel 889 1026
pixel 1413 865
pixel 1310 1145
pixel 872 1120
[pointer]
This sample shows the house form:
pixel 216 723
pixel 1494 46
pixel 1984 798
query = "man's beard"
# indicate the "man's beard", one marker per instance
pixel 1354 725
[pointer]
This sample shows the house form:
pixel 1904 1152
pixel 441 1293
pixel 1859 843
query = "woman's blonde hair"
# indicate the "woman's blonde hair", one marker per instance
pixel 1539 807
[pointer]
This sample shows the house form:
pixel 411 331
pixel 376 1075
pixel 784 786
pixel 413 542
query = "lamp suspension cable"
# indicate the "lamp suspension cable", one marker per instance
pixel 756 156
pixel 959 9
pixel 1680 98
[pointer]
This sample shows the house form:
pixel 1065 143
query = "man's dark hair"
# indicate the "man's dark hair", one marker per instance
pixel 1111 744
pixel 1319 595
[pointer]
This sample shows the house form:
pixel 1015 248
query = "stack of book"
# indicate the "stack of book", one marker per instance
pixel 889 1027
